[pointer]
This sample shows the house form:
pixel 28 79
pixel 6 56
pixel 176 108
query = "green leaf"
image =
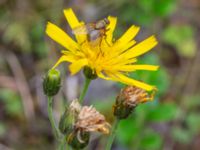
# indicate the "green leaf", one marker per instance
pixel 151 141
pixel 182 38
pixel 131 14
pixel 163 112
pixel 146 5
pixel 164 7
pixel 128 130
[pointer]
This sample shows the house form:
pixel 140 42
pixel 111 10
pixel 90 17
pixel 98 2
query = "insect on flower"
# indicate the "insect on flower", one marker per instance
pixel 107 61
pixel 95 31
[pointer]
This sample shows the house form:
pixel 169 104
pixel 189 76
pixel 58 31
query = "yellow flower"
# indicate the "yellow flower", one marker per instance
pixel 110 60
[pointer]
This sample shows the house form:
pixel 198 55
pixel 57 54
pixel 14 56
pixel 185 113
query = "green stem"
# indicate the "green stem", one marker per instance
pixel 62 144
pixel 112 134
pixel 52 121
pixel 85 88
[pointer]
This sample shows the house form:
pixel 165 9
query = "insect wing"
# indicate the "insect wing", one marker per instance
pixel 84 29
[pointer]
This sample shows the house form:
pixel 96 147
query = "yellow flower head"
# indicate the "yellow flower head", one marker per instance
pixel 110 59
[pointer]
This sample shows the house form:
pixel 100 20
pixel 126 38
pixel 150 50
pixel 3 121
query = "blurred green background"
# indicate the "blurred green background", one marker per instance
pixel 170 122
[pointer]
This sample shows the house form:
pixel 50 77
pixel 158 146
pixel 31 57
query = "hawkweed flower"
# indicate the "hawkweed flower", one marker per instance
pixel 128 98
pixel 110 59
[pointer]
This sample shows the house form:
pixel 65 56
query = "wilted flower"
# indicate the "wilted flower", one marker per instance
pixel 128 99
pixel 77 122
pixel 110 59
pixel 90 120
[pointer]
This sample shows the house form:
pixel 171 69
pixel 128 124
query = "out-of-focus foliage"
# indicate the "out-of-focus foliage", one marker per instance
pixel 182 38
pixel 12 103
pixel 190 121
pixel 2 129
pixel 23 25
pixel 142 12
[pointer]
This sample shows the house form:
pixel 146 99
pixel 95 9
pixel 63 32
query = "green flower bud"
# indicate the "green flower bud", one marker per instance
pixel 64 123
pixel 51 83
pixel 89 73
pixel 78 139
pixel 128 99
pixel 69 117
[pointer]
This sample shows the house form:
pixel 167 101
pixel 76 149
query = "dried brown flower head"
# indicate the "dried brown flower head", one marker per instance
pixel 90 120
pixel 133 95
pixel 128 98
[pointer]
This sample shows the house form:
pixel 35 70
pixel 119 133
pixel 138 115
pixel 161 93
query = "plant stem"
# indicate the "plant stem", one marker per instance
pixel 85 88
pixel 62 143
pixel 112 134
pixel 52 121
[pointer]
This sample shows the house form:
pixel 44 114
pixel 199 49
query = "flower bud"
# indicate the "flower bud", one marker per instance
pixel 51 83
pixel 89 73
pixel 128 99
pixel 69 117
pixel 64 123
pixel 78 139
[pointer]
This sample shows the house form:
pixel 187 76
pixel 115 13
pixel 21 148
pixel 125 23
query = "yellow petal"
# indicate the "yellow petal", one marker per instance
pixel 141 48
pixel 111 28
pixel 64 58
pixel 120 60
pixel 128 35
pixel 74 22
pixel 129 81
pixel 101 75
pixel 121 44
pixel 77 65
pixel 61 37
pixel 116 51
pixel 78 54
pixel 138 67
pixel 71 18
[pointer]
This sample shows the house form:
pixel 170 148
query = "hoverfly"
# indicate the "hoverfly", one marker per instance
pixel 94 31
